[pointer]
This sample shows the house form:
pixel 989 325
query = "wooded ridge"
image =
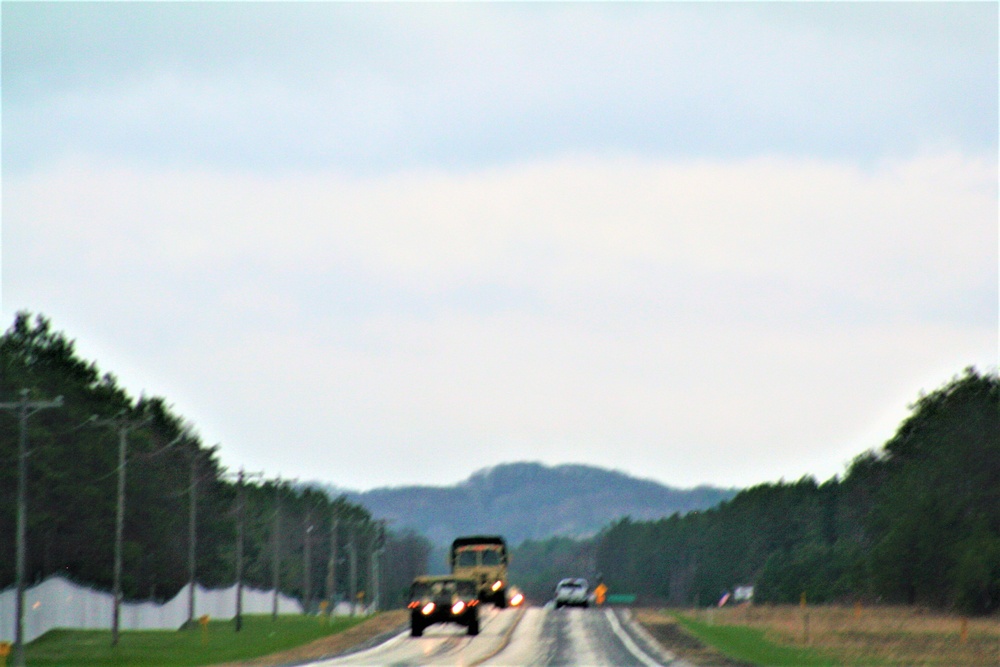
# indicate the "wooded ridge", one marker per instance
pixel 531 501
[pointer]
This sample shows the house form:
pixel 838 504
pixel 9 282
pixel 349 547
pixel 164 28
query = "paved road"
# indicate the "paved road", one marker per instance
pixel 533 636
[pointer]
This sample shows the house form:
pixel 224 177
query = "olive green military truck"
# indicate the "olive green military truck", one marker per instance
pixel 484 559
pixel 444 599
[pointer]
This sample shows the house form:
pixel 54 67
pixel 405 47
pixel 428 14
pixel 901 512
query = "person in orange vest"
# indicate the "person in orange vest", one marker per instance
pixel 600 592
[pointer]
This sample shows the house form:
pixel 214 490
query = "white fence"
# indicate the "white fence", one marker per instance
pixel 60 603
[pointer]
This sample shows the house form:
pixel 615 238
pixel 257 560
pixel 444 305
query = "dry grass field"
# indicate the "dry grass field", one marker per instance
pixel 873 635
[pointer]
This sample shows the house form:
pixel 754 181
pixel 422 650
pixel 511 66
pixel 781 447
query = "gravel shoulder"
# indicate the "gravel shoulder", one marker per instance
pixel 674 638
pixel 371 631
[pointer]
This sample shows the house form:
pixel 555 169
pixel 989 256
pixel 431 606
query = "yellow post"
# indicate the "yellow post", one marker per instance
pixel 4 652
pixel 963 634
pixel 324 616
pixel 203 622
pixel 857 610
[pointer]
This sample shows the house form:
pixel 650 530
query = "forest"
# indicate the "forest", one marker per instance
pixel 176 495
pixel 916 522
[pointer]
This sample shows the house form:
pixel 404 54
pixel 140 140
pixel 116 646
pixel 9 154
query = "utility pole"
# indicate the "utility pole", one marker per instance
pixel 192 531
pixel 123 425
pixel 119 534
pixel 276 546
pixel 276 549
pixel 373 564
pixel 24 409
pixel 307 565
pixel 331 564
pixel 352 563
pixel 240 504
pixel 378 546
pixel 240 521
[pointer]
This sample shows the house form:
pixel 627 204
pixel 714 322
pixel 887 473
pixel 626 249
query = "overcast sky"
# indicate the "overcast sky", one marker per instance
pixel 384 244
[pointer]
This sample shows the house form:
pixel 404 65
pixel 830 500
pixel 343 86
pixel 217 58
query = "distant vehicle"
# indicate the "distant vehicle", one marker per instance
pixel 482 558
pixel 572 592
pixel 443 599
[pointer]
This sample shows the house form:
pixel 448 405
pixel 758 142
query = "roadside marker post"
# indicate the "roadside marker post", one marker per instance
pixel 805 619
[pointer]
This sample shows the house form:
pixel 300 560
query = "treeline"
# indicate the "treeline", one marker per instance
pixel 536 566
pixel 72 495
pixel 917 522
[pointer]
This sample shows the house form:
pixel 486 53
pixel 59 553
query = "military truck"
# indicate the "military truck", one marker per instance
pixel 484 559
pixel 443 599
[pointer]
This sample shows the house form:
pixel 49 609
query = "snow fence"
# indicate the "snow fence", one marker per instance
pixel 58 602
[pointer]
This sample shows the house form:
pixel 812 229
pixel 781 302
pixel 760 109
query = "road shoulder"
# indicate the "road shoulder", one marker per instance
pixel 665 629
pixel 367 633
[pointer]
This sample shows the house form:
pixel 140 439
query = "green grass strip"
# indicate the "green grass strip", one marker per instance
pixel 750 645
pixel 218 642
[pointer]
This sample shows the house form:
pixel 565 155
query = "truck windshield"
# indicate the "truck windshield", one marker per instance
pixel 466 559
pixel 491 557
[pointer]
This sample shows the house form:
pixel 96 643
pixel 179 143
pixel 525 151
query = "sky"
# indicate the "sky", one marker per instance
pixel 381 244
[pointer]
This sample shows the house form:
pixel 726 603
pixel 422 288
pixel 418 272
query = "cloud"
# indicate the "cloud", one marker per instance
pixel 374 88
pixel 769 311
pixel 893 237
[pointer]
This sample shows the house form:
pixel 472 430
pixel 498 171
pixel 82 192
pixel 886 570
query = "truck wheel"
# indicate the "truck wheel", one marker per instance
pixel 474 627
pixel 500 599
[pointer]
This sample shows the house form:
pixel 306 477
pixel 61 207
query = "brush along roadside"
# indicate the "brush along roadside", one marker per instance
pixel 859 635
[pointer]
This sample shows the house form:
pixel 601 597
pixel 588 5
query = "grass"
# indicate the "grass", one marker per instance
pixel 869 636
pixel 218 642
pixel 751 645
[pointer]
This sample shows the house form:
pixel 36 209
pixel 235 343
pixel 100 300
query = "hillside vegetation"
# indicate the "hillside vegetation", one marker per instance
pixel 532 501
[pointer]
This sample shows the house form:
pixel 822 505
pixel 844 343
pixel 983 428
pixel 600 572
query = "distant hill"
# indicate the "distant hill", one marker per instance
pixel 531 501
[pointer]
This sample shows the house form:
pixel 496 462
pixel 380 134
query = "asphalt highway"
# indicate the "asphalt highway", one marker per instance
pixel 530 636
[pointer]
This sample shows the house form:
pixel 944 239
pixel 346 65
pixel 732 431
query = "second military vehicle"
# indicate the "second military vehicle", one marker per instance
pixel 482 558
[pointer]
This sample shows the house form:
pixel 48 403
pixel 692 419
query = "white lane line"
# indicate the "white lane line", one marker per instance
pixel 366 654
pixel 632 647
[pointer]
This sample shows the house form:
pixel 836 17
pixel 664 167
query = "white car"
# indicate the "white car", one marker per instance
pixel 574 592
